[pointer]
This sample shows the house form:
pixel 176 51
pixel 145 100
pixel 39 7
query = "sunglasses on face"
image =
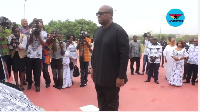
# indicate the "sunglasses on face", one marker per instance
pixel 101 13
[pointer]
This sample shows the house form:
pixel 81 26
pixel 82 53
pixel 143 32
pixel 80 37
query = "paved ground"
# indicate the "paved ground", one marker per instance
pixel 136 95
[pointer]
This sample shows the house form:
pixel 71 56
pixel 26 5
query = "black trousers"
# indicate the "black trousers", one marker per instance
pixel 33 64
pixel 153 68
pixel 185 70
pixel 2 75
pixel 192 69
pixel 137 60
pixel 84 72
pixel 108 98
pixel 46 73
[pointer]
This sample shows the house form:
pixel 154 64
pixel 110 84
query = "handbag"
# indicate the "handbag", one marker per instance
pixel 76 71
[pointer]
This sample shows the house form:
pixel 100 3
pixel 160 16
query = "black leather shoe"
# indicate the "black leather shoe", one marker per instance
pixel 147 81
pixel 82 85
pixel 138 73
pixel 59 87
pixel 54 86
pixel 193 83
pixel 24 83
pixel 156 82
pixel 37 89
pixel 47 85
pixel 29 87
pixel 186 82
pixel 132 73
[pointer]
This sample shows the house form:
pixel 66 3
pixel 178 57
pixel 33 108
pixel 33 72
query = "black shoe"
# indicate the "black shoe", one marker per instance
pixel 156 82
pixel 193 83
pixel 55 86
pixel 72 82
pixel 21 88
pixel 59 87
pixel 24 83
pixel 186 82
pixel 82 85
pixel 132 73
pixel 138 73
pixel 147 81
pixel 47 85
pixel 37 89
pixel 29 87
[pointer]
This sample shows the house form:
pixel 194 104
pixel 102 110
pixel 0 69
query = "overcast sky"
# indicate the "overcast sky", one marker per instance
pixel 135 16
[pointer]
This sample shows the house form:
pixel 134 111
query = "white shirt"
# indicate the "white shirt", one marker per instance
pixel 193 55
pixel 155 51
pixel 22 45
pixel 35 49
pixel 146 47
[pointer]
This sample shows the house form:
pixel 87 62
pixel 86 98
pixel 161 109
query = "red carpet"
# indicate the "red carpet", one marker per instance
pixel 136 95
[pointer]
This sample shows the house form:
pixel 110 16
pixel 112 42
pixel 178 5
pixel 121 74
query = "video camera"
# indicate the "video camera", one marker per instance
pixel 36 26
pixel 146 35
pixel 54 33
pixel 82 35
pixel 4 21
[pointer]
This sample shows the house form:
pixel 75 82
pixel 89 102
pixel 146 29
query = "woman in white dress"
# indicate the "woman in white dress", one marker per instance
pixel 73 55
pixel 67 82
pixel 168 59
pixel 179 54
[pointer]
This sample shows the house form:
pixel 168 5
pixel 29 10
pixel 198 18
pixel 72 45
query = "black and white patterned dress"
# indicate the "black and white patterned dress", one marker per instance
pixel 177 70
pixel 12 99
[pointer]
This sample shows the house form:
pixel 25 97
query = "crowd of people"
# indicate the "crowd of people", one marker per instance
pixel 181 59
pixel 29 50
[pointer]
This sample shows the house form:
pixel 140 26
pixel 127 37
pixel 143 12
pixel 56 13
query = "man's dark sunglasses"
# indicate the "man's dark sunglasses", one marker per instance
pixel 101 13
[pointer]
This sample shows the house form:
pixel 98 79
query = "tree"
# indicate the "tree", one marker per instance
pixel 72 27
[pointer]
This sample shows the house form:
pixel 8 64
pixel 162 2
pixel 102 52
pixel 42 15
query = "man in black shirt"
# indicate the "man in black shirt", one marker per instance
pixel 109 60
pixel 185 60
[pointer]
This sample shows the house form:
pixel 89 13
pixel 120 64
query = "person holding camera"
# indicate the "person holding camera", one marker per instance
pixel 59 48
pixel 34 55
pixel 84 46
pixel 46 57
pixel 24 29
pixel 146 43
pixel 18 43
pixel 154 53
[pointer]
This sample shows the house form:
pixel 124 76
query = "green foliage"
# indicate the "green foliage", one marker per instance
pixel 72 27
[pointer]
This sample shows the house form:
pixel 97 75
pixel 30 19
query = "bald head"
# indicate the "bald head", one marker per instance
pixel 108 8
pixel 105 15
